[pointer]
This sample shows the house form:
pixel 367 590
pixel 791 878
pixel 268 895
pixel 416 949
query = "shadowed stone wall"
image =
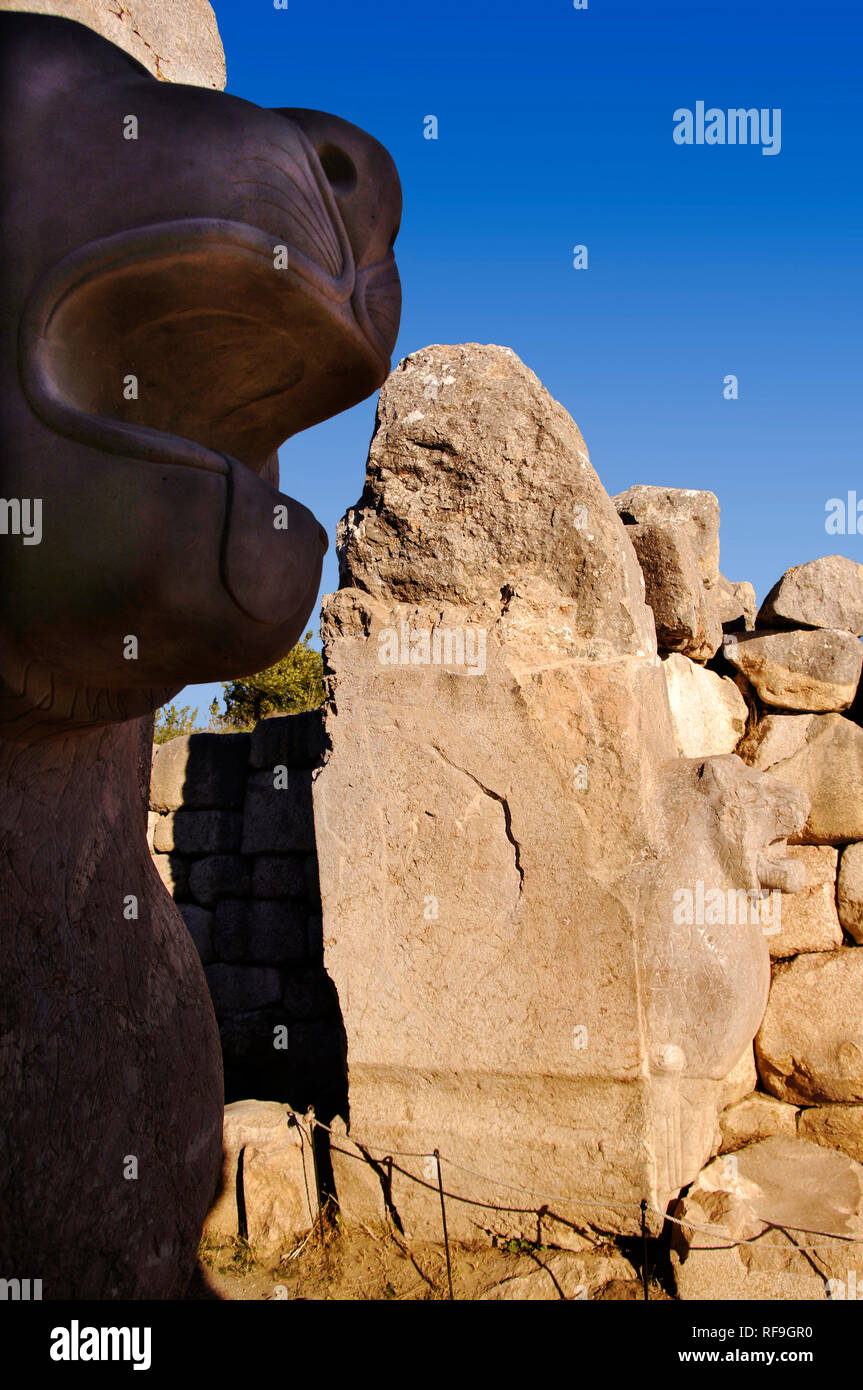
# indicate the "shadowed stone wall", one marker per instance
pixel 232 835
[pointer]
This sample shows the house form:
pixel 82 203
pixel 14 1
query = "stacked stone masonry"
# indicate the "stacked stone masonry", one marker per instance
pixel 232 835
pixel 783 692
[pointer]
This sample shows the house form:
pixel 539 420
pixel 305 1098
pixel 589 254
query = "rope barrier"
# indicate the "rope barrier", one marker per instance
pixel 717 1232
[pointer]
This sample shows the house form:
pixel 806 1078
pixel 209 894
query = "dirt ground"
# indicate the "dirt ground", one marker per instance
pixel 361 1262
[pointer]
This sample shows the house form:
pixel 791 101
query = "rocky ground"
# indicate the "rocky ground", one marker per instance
pixel 364 1262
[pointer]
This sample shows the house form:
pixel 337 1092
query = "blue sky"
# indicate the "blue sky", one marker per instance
pixel 556 129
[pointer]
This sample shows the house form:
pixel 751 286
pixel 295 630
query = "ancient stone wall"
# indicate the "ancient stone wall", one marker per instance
pixel 233 838
pixel 782 691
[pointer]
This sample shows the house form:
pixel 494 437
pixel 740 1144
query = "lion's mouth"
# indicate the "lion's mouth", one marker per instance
pixel 191 340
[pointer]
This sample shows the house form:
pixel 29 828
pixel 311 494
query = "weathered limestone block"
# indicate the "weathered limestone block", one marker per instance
pixel 256 1038
pixel 178 42
pixel 198 771
pixel 310 874
pixel 834 1127
pixel 265 1158
pixel 219 876
pixel 708 712
pixel 808 918
pixel 809 1048
pixel 697 512
pixel 199 923
pixel 800 669
pixel 173 870
pixel 823 593
pixel 503 810
pixel 199 832
pixel 359 1191
pixel 741 1080
pixel 755 1117
pixel 292 740
pixel 237 987
pixel 278 812
pixel 308 993
pixel 266 932
pixel 779 1181
pixel 687 620
pixel 822 754
pixel 735 602
pixel 279 876
pixel 849 891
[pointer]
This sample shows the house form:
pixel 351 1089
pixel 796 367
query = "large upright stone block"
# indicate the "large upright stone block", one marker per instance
pixel 513 858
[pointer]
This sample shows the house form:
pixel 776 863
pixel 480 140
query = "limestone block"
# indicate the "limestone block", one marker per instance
pixel 294 740
pixel 741 1079
pixel 800 669
pixel 278 818
pixel 199 923
pixel 697 512
pixel 308 993
pixel 271 1165
pixel 562 1274
pixel 822 754
pixel 808 920
pixel 278 876
pixel 199 832
pixel 196 771
pixel 809 1048
pixel 687 620
pixel 707 710
pixel 173 870
pixel 257 1038
pixel 823 593
pixel 237 987
pixel 780 1181
pixel 265 932
pixel 849 892
pixel 756 1117
pixel 735 602
pixel 178 42
pixel 219 876
pixel 834 1127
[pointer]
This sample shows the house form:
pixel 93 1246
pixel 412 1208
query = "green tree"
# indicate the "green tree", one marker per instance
pixel 294 684
pixel 171 722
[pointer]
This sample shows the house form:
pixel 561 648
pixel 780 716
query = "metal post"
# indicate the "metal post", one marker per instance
pixel 443 1219
pixel 313 1123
